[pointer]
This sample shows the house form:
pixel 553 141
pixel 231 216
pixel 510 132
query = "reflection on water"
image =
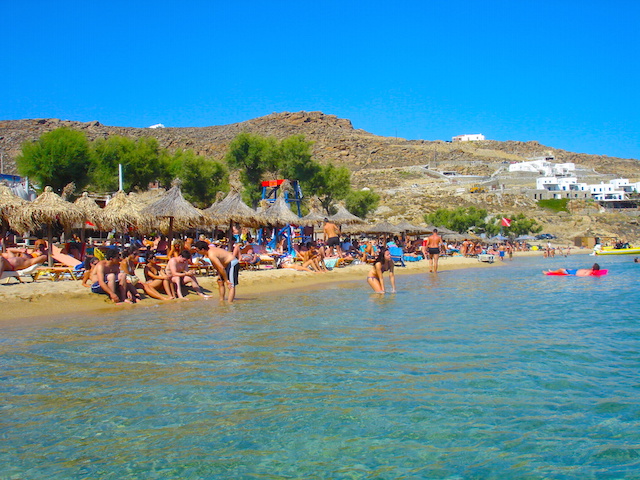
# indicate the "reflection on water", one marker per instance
pixel 487 373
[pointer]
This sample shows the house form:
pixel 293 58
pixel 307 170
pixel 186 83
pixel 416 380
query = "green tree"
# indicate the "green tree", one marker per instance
pixel 520 225
pixel 251 154
pixel 201 178
pixel 330 184
pixel 142 162
pixel 56 159
pixel 460 219
pixel 296 159
pixel 361 202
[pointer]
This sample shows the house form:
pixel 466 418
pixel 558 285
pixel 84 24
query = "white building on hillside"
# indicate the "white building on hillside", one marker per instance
pixel 544 166
pixel 618 189
pixel 468 138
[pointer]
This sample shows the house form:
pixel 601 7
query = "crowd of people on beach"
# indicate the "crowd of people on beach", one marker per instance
pixel 169 267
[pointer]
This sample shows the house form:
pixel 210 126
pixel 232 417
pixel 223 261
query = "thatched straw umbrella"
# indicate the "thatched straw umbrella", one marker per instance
pixel 10 204
pixel 279 212
pixel 409 228
pixel 344 217
pixel 92 214
pixel 173 206
pixel 383 228
pixel 233 210
pixel 121 213
pixel 48 209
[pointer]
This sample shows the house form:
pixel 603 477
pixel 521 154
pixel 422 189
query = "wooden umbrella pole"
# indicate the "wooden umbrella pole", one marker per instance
pixel 49 244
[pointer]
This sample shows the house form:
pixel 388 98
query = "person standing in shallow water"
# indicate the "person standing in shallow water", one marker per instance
pixel 382 264
pixel 431 245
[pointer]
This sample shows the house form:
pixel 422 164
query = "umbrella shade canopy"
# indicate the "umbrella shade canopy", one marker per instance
pixel 383 227
pixel 344 217
pixel 525 237
pixel 280 214
pixel 173 205
pixel 210 212
pixel 122 213
pixel 498 238
pixel 355 228
pixel 233 209
pixel 48 209
pixel 313 217
pixel 10 204
pixel 407 227
pixel 455 237
pixel 90 210
pixel 443 230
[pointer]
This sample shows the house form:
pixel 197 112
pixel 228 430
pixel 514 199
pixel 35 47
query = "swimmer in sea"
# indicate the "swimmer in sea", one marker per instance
pixel 579 272
pixel 382 264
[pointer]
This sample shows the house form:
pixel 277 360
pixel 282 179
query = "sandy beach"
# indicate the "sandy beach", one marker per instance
pixel 45 299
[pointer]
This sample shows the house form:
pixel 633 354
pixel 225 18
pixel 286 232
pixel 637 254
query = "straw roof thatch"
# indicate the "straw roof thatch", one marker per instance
pixel 383 227
pixel 279 213
pixel 48 209
pixel 209 212
pixel 10 204
pixel 233 209
pixel 344 217
pixel 122 213
pixel 173 205
pixel 90 210
pixel 407 227
pixel 313 217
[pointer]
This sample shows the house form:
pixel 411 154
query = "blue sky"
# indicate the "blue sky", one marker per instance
pixel 563 72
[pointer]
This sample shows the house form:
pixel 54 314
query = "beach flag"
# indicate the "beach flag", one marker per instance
pixel 506 222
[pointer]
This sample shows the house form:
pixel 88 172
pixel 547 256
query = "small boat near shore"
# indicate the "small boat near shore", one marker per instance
pixel 617 251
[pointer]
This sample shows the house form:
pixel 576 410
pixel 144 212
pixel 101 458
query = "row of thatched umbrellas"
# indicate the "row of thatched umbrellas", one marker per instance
pixel 168 211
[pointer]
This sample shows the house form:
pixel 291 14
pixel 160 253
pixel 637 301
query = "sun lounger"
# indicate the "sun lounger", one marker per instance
pixel 58 273
pixel 20 274
pixel 397 255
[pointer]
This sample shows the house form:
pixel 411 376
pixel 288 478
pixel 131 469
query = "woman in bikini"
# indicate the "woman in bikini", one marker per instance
pixel 155 279
pixel 382 264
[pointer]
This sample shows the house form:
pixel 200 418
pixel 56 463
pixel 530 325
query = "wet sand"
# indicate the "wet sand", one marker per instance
pixel 29 302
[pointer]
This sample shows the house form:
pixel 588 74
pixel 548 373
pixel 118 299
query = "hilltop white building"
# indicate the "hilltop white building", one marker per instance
pixel 468 138
pixel 544 166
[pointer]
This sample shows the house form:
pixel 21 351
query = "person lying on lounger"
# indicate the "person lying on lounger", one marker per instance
pixel 18 259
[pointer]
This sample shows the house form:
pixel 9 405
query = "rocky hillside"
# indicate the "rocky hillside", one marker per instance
pixel 394 167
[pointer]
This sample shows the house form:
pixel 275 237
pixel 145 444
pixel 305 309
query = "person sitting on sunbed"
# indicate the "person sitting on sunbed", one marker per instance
pixel 249 257
pixel 15 259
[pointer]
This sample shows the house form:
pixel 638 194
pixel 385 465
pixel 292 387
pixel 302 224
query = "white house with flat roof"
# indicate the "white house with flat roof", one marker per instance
pixel 543 166
pixel 468 138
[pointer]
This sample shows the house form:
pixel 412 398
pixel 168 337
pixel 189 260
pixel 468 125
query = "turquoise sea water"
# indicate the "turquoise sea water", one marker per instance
pixel 479 373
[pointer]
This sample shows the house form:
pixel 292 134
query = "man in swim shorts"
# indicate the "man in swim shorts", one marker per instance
pixel 225 263
pixel 179 273
pixel 431 245
pixel 106 276
pixel 331 237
